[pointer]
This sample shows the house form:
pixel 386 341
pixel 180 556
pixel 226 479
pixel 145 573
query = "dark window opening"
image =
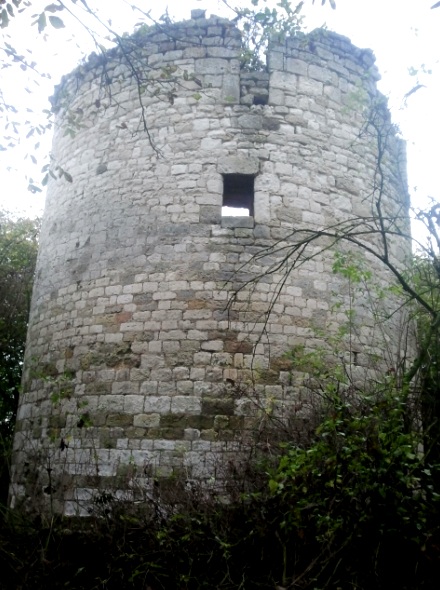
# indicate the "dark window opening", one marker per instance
pixel 238 195
pixel 260 99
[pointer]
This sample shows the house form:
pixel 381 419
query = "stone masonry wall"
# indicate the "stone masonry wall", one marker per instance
pixel 136 364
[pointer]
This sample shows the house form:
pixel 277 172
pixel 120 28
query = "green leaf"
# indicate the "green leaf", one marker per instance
pixel 42 22
pixel 54 8
pixel 33 188
pixel 56 22
pixel 4 19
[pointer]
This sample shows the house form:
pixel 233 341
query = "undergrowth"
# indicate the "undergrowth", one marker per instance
pixel 354 508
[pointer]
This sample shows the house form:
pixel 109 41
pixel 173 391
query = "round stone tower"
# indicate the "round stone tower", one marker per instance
pixel 160 321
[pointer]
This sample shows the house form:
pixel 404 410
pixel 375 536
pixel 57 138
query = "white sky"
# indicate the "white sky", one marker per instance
pixel 403 34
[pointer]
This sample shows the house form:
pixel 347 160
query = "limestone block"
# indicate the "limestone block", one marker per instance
pixel 178 447
pixel 212 65
pixel 134 404
pixel 283 81
pixel 213 345
pixel 276 97
pixel 111 403
pixel 298 66
pixel 194 52
pixel 198 13
pixel 147 420
pixel 239 163
pixel 310 87
pixel 157 404
pixel 275 60
pixel 235 222
pixel 251 121
pixel 191 434
pixel 185 404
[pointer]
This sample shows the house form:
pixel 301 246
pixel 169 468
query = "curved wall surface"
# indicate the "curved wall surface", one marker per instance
pixel 148 349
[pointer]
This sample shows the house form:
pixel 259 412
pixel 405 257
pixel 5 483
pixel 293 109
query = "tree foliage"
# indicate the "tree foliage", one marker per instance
pixel 359 490
pixel 18 254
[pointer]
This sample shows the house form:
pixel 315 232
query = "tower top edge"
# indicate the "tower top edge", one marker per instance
pixel 162 38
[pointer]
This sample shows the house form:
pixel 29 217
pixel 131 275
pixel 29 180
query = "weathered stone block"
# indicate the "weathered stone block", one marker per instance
pixel 218 406
pixel 212 65
pixel 119 420
pixel 234 222
pixel 185 405
pixel 210 435
pixel 155 404
pixel 134 404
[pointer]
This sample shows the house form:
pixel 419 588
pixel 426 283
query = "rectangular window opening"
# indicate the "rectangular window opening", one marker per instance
pixel 238 195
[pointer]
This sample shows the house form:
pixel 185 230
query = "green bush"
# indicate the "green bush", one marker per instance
pixel 355 508
pixel 360 497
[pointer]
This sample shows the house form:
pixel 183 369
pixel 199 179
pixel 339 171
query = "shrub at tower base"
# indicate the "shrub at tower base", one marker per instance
pixel 352 506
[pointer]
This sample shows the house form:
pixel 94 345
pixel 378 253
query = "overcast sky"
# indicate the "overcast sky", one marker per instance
pixel 404 34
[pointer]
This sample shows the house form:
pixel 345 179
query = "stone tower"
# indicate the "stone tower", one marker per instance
pixel 159 323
